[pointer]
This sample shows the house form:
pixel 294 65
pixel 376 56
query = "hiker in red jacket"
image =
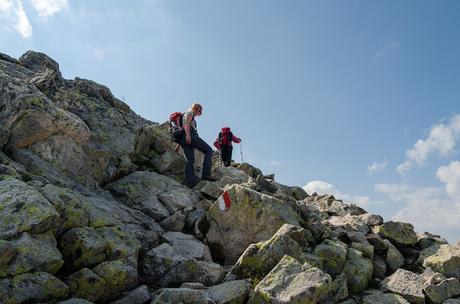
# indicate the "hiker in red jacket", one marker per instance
pixel 224 144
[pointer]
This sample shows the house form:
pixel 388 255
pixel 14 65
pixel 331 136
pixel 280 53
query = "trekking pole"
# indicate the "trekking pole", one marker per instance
pixel 241 152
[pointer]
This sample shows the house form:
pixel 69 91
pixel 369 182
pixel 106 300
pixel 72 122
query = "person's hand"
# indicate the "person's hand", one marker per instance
pixel 239 139
pixel 177 148
pixel 188 140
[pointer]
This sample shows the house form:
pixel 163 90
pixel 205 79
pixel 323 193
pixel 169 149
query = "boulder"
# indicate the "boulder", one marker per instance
pixel 349 223
pixel 7 252
pixel 384 298
pixel 188 246
pixel 75 301
pixel 398 232
pixel 209 189
pixel 394 258
pixel 83 247
pixel 156 195
pixel 333 253
pixel 32 288
pixel 36 252
pixel 379 266
pixel 118 275
pixel 179 295
pixel 339 289
pixel 366 248
pixel 258 259
pixel 437 288
pixel 24 209
pixel 250 170
pixel 191 270
pixel 87 285
pixel 252 217
pixel 154 149
pixel 444 259
pixel 234 292
pixel 427 239
pixel 406 284
pixel 175 222
pixel 358 271
pixel 140 295
pixel 292 282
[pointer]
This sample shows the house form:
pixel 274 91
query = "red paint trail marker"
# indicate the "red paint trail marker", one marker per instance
pixel 224 201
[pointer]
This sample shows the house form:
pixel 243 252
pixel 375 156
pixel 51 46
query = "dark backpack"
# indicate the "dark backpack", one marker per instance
pixel 176 131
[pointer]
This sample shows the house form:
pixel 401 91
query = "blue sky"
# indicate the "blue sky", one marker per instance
pixel 334 95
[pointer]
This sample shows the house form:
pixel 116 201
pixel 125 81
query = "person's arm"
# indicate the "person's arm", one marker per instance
pixel 177 148
pixel 236 139
pixel 188 120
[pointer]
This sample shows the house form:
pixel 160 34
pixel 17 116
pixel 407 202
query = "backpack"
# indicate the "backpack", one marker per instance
pixel 225 137
pixel 176 131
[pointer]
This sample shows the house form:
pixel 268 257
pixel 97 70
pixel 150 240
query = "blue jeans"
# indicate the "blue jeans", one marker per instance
pixel 189 151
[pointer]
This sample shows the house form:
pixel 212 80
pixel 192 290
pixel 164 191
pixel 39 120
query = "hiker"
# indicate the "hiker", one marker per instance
pixel 191 141
pixel 224 144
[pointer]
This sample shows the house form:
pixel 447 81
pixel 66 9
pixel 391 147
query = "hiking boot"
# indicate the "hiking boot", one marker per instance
pixel 192 184
pixel 209 178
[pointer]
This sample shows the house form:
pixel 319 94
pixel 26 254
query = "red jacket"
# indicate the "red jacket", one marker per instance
pixel 224 138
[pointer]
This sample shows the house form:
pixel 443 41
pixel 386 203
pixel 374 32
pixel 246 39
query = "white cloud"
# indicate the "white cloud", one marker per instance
pixel 22 24
pixel 98 53
pixel 376 167
pixel 14 18
pixel 322 187
pixel 6 6
pixel 428 209
pixel 47 8
pixel 274 163
pixel 450 175
pixel 441 141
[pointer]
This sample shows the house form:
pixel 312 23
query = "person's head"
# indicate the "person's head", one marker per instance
pixel 196 108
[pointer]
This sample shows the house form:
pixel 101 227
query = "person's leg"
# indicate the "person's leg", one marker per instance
pixel 201 145
pixel 189 152
pixel 229 155
pixel 224 151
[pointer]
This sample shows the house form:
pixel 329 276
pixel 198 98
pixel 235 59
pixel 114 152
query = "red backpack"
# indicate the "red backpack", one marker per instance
pixel 225 137
pixel 176 132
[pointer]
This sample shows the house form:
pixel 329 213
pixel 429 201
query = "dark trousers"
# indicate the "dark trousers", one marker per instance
pixel 226 155
pixel 197 143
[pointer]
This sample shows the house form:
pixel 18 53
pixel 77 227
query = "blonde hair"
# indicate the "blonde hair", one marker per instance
pixel 195 107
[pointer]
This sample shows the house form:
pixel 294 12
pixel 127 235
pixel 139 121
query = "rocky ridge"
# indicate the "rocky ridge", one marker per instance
pixel 92 210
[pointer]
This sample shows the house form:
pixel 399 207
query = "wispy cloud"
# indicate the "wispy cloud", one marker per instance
pixel 441 140
pixel 386 50
pixel 433 209
pixel 21 23
pixel 322 187
pixel 14 18
pixel 47 8
pixel 98 53
pixel 376 167
pixel 274 163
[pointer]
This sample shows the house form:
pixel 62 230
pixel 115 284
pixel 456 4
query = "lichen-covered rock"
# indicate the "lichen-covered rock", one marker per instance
pixel 24 209
pixel 191 270
pixel 154 149
pixel 32 288
pixel 36 252
pixel 427 239
pixel 252 217
pixel 384 298
pixel 366 248
pixel 7 252
pixel 438 288
pixel 175 222
pixel 75 301
pixel 179 295
pixel 83 247
pixel 87 285
pixel 394 258
pixel 188 245
pixel 292 282
pixel 358 271
pixel 349 223
pixel 156 195
pixel 339 289
pixel 400 233
pixel 160 260
pixel 233 292
pixel 444 259
pixel 333 253
pixel 139 295
pixel 258 259
pixel 406 284
pixel 118 275
pixel 209 189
